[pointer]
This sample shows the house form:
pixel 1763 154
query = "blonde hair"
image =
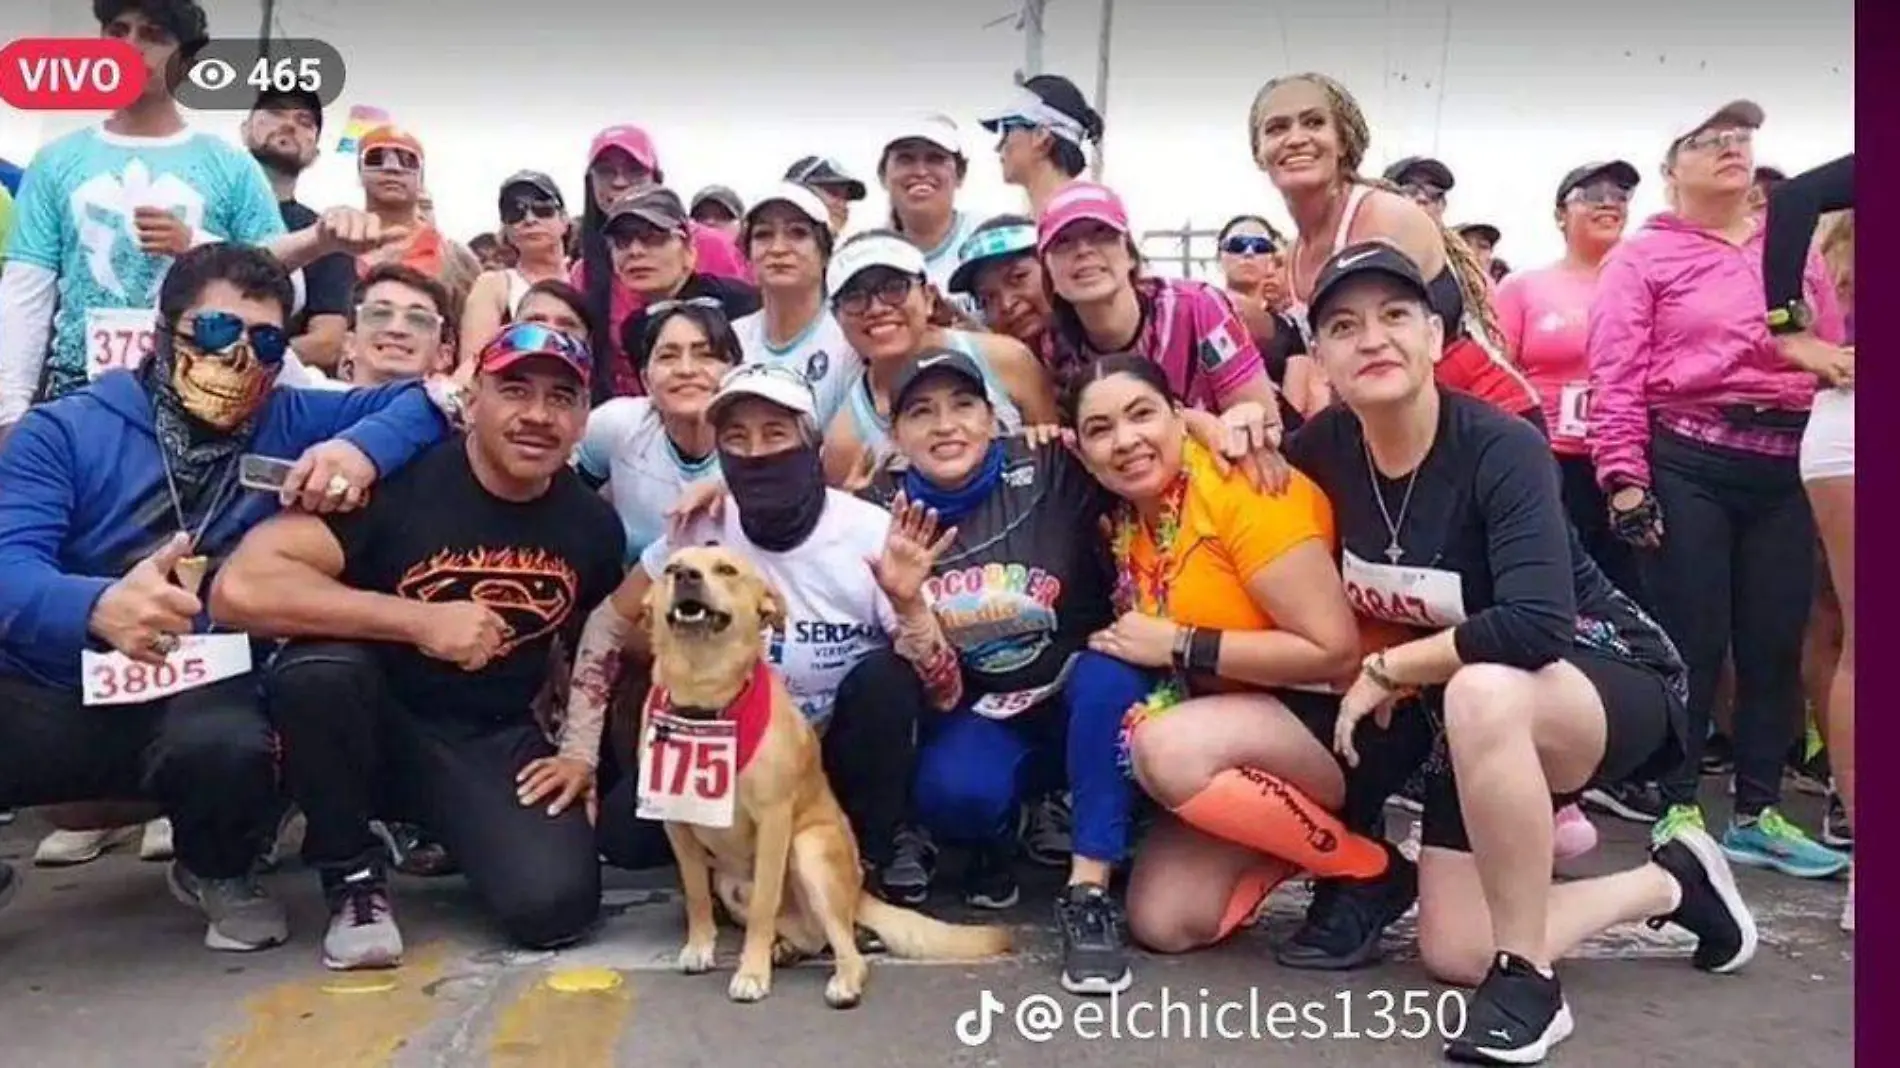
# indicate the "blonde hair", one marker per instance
pixel 1837 250
pixel 1354 138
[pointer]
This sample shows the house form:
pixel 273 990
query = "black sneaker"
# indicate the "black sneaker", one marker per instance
pixel 1712 907
pixel 9 883
pixel 989 881
pixel 906 879
pixel 1836 831
pixel 1636 802
pixel 1718 756
pixel 1094 956
pixel 1517 1016
pixel 1411 796
pixel 1347 917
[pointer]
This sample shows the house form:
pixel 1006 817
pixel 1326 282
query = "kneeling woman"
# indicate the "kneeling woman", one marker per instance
pixel 1549 679
pixel 1235 592
pixel 1018 588
pixel 859 650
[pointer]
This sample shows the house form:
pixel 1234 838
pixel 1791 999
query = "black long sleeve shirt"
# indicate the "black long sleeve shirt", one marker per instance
pixel 1794 207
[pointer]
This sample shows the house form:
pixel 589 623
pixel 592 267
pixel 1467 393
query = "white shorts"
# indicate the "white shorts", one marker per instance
pixel 1827 446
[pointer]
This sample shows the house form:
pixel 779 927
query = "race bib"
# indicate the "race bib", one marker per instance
pixel 689 770
pixel 1005 705
pixel 119 339
pixel 200 660
pixel 1415 596
pixel 1573 410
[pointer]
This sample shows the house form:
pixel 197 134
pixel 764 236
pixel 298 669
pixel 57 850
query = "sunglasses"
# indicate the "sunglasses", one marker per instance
pixel 1247 245
pixel 380 316
pixel 516 210
pixel 1423 193
pixel 1601 193
pixel 890 291
pixel 668 307
pixel 391 159
pixel 537 339
pixel 1719 139
pixel 646 235
pixel 214 333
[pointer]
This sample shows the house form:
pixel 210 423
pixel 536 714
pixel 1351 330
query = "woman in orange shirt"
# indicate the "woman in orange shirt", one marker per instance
pixel 1236 592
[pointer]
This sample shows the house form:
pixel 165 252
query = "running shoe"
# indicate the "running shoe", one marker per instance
pixel 7 816
pixel 1517 1016
pixel 241 916
pixel 989 880
pixel 1847 910
pixel 1676 819
pixel 65 849
pixel 1836 831
pixel 1046 831
pixel 1718 755
pixel 906 879
pixel 1771 841
pixel 155 844
pixel 1572 833
pixel 1347 917
pixel 1632 801
pixel 1094 954
pixel 363 931
pixel 1411 796
pixel 1711 906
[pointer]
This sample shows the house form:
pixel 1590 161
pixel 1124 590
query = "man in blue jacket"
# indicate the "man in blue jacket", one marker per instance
pixel 115 502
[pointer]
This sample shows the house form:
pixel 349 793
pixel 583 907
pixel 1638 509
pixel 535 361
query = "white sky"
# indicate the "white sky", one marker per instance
pixel 734 90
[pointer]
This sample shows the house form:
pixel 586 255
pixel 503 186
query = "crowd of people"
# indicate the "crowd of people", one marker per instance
pixel 1178 585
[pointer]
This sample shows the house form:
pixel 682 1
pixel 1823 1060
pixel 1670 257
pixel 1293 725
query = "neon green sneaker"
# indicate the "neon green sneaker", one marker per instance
pixel 1674 820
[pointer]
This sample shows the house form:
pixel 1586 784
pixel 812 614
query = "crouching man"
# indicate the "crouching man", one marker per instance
pixel 431 627
pixel 115 502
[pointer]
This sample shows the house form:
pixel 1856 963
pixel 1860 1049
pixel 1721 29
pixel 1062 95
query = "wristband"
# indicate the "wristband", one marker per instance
pixel 1791 318
pixel 1374 669
pixel 1204 651
pixel 1183 647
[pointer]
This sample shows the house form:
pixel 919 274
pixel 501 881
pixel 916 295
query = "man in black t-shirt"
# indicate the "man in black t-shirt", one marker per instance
pixel 281 133
pixel 443 613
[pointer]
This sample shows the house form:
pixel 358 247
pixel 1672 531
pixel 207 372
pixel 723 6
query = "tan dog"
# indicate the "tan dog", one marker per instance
pixel 707 613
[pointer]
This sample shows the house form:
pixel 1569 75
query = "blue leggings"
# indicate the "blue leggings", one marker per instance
pixel 974 772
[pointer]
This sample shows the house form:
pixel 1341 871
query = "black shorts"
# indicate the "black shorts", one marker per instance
pixel 1642 737
pixel 1388 756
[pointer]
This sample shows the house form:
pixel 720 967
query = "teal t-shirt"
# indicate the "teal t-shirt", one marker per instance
pixel 74 217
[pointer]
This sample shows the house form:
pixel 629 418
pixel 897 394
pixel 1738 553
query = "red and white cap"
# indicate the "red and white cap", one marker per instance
pixel 1079 202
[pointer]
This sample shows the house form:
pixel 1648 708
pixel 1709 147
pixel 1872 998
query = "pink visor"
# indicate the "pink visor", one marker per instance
pixel 1076 202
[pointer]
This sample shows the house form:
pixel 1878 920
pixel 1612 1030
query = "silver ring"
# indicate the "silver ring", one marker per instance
pixel 165 644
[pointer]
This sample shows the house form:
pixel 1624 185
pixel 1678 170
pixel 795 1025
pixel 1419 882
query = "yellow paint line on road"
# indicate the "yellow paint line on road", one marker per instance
pixel 571 1018
pixel 337 1020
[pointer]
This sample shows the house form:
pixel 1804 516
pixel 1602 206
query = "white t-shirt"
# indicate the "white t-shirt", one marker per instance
pixel 627 446
pixel 835 615
pixel 820 353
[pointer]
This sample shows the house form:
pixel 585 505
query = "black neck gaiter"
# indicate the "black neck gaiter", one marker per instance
pixel 780 497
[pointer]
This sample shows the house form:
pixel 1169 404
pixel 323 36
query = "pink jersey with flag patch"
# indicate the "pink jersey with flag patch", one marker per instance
pixel 1187 327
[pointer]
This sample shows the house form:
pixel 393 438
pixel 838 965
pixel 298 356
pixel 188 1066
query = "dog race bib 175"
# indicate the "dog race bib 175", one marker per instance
pixel 200 660
pixel 119 339
pixel 689 770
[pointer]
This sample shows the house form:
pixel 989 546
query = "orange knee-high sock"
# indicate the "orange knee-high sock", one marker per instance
pixel 1249 894
pixel 1264 812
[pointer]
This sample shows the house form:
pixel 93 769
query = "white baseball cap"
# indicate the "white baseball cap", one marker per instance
pixel 936 128
pixel 877 250
pixel 767 382
pixel 797 196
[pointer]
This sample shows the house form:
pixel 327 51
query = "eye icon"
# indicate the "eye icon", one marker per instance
pixel 212 74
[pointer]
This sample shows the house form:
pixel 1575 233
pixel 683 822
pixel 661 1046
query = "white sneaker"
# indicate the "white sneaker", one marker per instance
pixel 157 841
pixel 64 849
pixel 1847 911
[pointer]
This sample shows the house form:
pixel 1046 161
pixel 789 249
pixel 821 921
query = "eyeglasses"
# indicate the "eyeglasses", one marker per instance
pixel 668 307
pixel 1247 245
pixel 1600 193
pixel 381 315
pixel 391 159
pixel 215 332
pixel 1423 193
pixel 516 210
pixel 891 291
pixel 1719 139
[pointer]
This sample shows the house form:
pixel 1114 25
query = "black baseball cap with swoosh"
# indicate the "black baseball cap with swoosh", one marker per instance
pixel 1358 261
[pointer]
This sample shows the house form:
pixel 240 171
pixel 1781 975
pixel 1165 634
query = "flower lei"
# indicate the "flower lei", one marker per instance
pixel 1137 588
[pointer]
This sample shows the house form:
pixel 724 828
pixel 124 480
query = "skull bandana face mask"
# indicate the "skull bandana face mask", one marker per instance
pixel 220 390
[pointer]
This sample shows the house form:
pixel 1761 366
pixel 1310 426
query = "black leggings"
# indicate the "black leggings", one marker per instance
pixel 1589 512
pixel 1736 568
pixel 352 752
pixel 206 756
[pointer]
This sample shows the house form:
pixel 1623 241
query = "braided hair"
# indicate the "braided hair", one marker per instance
pixel 1354 138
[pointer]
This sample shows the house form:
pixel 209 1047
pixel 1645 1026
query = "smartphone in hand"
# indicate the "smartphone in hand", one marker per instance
pixel 264 473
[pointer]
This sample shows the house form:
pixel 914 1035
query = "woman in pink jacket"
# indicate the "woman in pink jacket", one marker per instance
pixel 1695 426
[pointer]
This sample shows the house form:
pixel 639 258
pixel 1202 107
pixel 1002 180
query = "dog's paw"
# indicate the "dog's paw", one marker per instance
pixel 843 993
pixel 748 987
pixel 696 960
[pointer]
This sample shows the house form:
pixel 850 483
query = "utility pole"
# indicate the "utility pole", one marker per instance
pixel 263 28
pixel 1101 82
pixel 1031 22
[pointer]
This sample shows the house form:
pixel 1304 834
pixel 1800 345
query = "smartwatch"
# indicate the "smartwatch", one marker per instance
pixel 1791 318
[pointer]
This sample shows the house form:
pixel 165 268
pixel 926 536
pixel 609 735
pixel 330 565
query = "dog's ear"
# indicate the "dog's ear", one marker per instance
pixel 771 604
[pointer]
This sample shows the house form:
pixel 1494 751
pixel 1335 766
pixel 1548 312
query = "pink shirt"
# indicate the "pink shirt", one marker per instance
pixel 1677 334
pixel 717 253
pixel 1545 316
pixel 1191 330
